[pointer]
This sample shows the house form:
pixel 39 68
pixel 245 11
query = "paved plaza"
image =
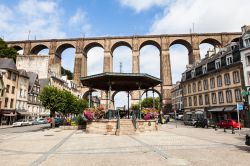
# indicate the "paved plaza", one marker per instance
pixel 169 146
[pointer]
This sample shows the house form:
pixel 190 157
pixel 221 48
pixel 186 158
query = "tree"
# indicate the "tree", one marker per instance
pixel 7 52
pixel 61 101
pixel 67 72
pixel 148 102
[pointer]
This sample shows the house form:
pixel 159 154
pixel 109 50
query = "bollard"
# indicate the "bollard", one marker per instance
pixel 225 130
pixel 247 140
pixel 215 128
pixel 233 132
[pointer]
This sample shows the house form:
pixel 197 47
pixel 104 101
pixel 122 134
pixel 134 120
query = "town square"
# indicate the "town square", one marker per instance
pixel 124 82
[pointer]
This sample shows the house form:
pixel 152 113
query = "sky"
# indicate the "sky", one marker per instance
pixel 47 19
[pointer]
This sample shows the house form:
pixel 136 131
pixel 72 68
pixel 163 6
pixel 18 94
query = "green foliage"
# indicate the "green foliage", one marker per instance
pixel 61 101
pixel 7 52
pixel 67 72
pixel 79 120
pixel 135 107
pixel 148 102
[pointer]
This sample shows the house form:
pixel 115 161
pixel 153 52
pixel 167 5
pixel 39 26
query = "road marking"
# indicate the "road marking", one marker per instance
pixel 152 148
pixel 51 151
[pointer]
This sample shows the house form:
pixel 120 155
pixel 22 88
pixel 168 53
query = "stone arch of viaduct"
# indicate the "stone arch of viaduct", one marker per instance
pixel 162 42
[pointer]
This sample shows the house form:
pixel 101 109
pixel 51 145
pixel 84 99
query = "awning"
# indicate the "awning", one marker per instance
pixel 218 109
pixel 188 113
pixel 229 109
pixel 199 112
pixel 23 112
pixel 11 114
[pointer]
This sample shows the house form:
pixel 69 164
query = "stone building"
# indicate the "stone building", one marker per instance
pixel 22 95
pixel 1 89
pixel 213 87
pixel 177 103
pixel 36 110
pixel 245 58
pixel 9 74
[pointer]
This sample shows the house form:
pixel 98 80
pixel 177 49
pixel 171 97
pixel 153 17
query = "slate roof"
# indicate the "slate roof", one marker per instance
pixel 9 64
pixel 33 77
pixel 23 73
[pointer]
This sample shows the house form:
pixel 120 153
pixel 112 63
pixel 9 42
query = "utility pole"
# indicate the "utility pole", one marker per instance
pixel 120 67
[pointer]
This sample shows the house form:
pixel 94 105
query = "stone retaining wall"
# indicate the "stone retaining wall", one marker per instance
pixel 147 125
pixel 107 127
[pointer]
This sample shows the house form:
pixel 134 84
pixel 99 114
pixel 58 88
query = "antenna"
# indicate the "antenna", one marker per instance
pixel 193 27
pixel 120 67
pixel 29 35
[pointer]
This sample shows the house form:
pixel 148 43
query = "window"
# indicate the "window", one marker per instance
pixel 185 102
pixel 217 64
pixel 229 96
pixel 214 100
pixel 9 75
pixel 200 100
pixel 212 83
pixel 11 103
pixel 248 60
pixel 194 87
pixel 219 81
pixel 247 41
pixel 227 79
pixel 195 101
pixel 190 101
pixel 205 85
pixel 204 69
pixel 13 90
pixel 14 77
pixel 221 97
pixel 207 101
pixel 199 86
pixel 193 73
pixel 6 102
pixel 189 88
pixel 237 95
pixel 21 91
pixel 229 59
pixel 7 88
pixel 184 90
pixel 236 77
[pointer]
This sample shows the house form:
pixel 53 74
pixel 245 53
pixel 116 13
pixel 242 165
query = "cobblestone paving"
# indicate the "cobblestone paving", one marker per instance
pixel 169 146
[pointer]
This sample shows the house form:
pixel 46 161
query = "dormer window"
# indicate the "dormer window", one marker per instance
pixel 247 42
pixel 193 73
pixel 217 64
pixel 229 59
pixel 204 69
pixel 184 76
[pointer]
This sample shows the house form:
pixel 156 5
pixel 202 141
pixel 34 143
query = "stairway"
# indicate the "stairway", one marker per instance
pixel 126 127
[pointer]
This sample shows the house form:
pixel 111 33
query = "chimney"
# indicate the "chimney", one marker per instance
pixel 245 28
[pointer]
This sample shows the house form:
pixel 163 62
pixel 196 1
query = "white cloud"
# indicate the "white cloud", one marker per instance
pixel 139 5
pixel 150 60
pixel 79 23
pixel 95 61
pixel 207 16
pixel 41 18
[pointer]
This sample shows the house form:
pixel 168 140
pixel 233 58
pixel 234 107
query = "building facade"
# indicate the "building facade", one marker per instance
pixel 35 107
pixel 22 95
pixel 212 88
pixel 10 79
pixel 177 102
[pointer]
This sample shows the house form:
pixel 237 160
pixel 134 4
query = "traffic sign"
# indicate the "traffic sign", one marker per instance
pixel 240 106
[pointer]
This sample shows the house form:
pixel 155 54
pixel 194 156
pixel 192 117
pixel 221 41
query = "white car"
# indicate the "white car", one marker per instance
pixel 20 122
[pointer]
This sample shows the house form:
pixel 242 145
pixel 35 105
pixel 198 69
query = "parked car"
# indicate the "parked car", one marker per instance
pixel 21 122
pixel 202 123
pixel 190 122
pixel 179 117
pixel 230 123
pixel 58 121
pixel 42 121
